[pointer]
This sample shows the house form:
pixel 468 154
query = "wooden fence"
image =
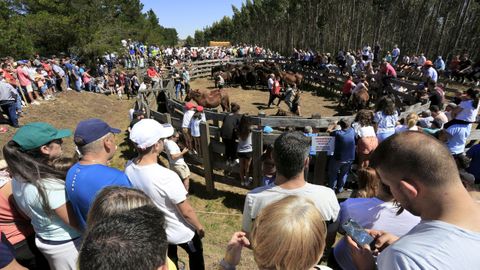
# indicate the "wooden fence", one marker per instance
pixel 212 148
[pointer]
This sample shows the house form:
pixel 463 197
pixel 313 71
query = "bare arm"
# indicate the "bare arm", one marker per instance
pixel 189 214
pixel 179 155
pixel 66 214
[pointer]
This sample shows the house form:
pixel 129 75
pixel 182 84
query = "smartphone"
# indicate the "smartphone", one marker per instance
pixel 357 232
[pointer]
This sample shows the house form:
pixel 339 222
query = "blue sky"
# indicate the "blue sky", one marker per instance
pixel 189 15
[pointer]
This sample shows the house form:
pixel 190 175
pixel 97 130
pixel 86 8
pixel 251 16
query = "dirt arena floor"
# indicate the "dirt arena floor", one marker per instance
pixel 253 101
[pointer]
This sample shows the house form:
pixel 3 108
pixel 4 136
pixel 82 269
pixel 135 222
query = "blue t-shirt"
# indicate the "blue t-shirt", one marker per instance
pixel 83 182
pixel 344 144
pixel 312 149
pixel 474 168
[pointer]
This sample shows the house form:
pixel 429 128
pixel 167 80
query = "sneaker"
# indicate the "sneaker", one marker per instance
pixel 237 161
pixel 249 181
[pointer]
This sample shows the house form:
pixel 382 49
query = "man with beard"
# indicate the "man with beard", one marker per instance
pixel 424 179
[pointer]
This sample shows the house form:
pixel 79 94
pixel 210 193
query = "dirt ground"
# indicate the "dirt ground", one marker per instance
pixel 220 213
pixel 255 100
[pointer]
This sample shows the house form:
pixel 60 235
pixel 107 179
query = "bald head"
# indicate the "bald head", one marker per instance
pixel 416 156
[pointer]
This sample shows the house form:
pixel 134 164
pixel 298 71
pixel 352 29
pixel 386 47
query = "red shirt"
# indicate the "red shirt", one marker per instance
pixel 390 71
pixel 347 87
pixel 151 72
pixel 9 78
pixel 276 88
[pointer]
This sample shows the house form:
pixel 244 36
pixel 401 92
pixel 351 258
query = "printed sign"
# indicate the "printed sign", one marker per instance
pixel 324 144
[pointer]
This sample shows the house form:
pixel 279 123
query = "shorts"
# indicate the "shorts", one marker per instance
pixel 181 169
pixel 245 154
pixel 28 88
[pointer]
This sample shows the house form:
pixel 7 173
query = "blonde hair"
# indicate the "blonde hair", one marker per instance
pixel 411 120
pixel 115 200
pixel 289 235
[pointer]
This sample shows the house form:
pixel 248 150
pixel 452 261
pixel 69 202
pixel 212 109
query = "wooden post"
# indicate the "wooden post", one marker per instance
pixel 319 173
pixel 257 145
pixel 168 118
pixel 207 157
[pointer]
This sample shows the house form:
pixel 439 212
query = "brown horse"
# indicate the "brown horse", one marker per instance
pixel 210 99
pixel 291 78
pixel 360 99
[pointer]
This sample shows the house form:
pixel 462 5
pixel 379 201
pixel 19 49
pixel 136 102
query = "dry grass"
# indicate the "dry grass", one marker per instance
pixel 220 213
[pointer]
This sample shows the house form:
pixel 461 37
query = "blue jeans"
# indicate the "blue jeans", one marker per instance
pixel 78 85
pixel 338 173
pixel 10 108
pixel 18 104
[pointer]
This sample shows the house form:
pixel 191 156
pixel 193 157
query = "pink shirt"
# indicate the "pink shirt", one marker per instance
pixel 23 77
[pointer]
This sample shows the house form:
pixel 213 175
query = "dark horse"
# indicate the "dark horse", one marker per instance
pixel 210 99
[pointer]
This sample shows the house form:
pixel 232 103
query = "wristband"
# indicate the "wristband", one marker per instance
pixel 226 265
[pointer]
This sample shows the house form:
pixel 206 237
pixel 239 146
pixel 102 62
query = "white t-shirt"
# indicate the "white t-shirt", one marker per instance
pixel 468 113
pixel 28 200
pixel 195 127
pixel 372 213
pixel 433 245
pixel 166 190
pixel 323 197
pixel 187 117
pixel 171 147
pixel 403 128
pixel 245 146
pixel 363 132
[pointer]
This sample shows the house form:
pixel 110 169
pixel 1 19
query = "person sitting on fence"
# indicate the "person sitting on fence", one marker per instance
pixel 153 75
pixel 166 190
pixel 294 226
pixel 388 73
pixel 195 129
pixel 176 161
pixel 429 73
pixel 290 154
pixel 187 118
pixel 467 111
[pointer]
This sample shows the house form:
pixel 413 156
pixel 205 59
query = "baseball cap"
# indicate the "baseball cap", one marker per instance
pixel 267 129
pixel 90 130
pixel 428 63
pixel 199 108
pixel 34 135
pixel 147 132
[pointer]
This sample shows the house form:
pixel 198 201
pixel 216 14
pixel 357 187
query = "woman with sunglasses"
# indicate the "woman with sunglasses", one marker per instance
pixel 38 171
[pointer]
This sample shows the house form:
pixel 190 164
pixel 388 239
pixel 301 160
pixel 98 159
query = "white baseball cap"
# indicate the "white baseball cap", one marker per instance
pixel 147 132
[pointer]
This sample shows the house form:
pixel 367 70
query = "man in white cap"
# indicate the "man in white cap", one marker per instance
pixel 166 190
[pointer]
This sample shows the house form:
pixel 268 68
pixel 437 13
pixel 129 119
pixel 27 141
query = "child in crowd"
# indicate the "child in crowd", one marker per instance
pixel 195 129
pixel 268 166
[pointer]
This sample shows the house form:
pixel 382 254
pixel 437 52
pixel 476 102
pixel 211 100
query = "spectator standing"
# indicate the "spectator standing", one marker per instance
pixel 245 149
pixel 25 82
pixel 340 164
pixel 367 140
pixel 165 189
pixel 385 118
pixel 176 161
pixel 290 154
pixel 195 129
pixel 187 118
pixel 229 134
pixel 395 55
pixel 378 211
pixel 450 225
pixel 95 141
pixel 34 160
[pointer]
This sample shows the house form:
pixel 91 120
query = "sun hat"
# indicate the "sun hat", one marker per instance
pixel 147 132
pixel 92 129
pixel 34 135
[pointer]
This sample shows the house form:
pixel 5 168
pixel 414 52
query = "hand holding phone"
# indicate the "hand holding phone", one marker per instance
pixel 357 233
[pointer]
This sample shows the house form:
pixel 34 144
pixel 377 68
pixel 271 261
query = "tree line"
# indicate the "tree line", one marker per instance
pixel 433 27
pixel 86 28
